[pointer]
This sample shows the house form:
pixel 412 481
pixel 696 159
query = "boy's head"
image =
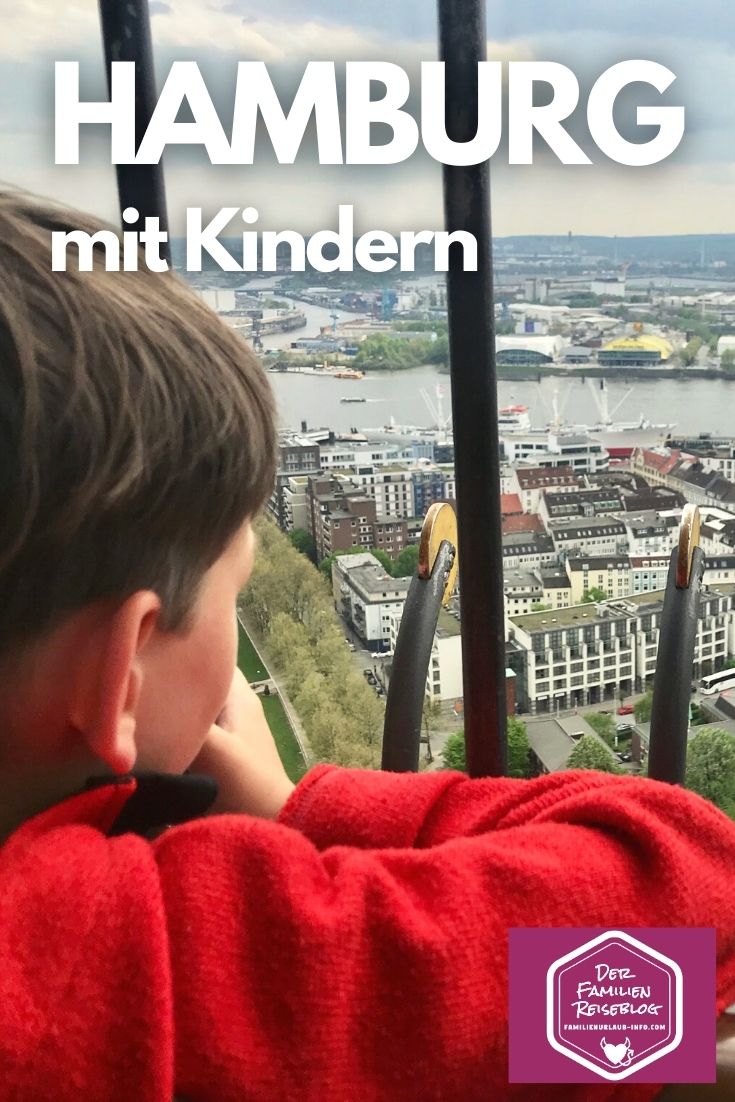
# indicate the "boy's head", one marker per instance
pixel 137 439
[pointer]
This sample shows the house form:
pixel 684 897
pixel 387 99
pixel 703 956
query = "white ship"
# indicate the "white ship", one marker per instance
pixel 621 434
pixel 512 418
pixel 514 421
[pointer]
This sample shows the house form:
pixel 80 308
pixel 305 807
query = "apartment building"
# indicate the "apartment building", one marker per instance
pixel 587 654
pixel 365 597
pixel 345 456
pixel 649 533
pixel 580 453
pixel 588 536
pixel 714 455
pixel 560 504
pixel 341 516
pixel 522 590
pixel 295 504
pixel 390 485
pixel 431 484
pixel 530 483
pixel 687 475
pixel 574 656
pixel 610 573
pixel 546 585
pixel 557 586
pixel 648 573
pixel 528 550
pixel 296 456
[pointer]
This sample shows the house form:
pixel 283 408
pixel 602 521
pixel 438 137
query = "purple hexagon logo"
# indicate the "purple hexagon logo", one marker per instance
pixel 587 1005
pixel 614 1005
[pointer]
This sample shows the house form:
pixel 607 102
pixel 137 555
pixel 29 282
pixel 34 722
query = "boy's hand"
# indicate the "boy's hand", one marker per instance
pixel 241 756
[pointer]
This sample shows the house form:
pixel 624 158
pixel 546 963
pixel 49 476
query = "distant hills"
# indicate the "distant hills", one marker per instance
pixel 688 250
pixel 685 248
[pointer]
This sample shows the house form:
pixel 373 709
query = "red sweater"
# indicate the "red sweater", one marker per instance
pixel 355 950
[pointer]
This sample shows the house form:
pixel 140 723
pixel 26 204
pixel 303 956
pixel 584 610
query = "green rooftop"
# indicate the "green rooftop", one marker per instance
pixel 573 616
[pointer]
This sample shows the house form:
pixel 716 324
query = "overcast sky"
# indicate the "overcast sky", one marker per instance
pixel 691 192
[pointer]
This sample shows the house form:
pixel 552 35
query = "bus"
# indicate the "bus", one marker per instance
pixel 717 682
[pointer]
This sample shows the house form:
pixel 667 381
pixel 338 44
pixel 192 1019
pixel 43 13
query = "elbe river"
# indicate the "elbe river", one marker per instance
pixel 693 406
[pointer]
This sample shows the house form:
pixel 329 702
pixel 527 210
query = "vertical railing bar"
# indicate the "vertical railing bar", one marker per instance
pixel 404 707
pixel 463 43
pixel 667 749
pixel 126 34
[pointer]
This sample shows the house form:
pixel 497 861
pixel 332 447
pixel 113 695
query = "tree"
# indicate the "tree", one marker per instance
pixel 642 708
pixel 727 360
pixel 519 764
pixel 593 595
pixel 589 753
pixel 454 753
pixel 689 352
pixel 385 560
pixel 407 562
pixel 289 604
pixel 711 768
pixel 539 606
pixel 304 543
pixel 431 715
pixel 604 725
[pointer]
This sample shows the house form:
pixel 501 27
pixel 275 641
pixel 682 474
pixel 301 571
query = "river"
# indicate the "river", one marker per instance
pixel 696 405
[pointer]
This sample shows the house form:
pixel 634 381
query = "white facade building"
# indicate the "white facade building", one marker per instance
pixel 578 452
pixel 587 654
pixel 649 533
pixel 348 456
pixel 648 573
pixel 593 536
pixel 444 675
pixel 365 596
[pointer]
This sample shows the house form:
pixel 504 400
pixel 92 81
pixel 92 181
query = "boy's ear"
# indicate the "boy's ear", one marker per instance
pixel 109 678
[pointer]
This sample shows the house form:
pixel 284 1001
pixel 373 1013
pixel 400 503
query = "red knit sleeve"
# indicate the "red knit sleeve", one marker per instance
pixel 363 955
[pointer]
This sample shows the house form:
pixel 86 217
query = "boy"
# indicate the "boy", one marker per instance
pixel 343 940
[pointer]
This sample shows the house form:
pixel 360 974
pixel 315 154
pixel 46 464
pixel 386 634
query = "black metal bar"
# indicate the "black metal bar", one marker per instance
pixel 405 704
pixel 462 33
pixel 672 684
pixel 126 34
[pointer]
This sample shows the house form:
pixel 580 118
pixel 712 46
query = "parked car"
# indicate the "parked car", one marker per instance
pixel 626 710
pixel 623 727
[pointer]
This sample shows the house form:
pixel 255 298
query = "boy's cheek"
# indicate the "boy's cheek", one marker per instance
pixel 180 701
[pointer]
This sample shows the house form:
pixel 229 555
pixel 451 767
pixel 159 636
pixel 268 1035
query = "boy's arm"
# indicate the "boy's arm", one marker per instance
pixel 235 958
pixel 318 966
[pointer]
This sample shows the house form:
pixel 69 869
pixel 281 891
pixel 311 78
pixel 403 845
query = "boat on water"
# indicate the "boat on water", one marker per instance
pixel 514 422
pixel 617 434
pixel 345 400
pixel 513 419
pixel 347 373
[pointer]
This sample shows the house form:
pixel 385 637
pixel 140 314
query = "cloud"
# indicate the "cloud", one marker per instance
pixel 691 192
